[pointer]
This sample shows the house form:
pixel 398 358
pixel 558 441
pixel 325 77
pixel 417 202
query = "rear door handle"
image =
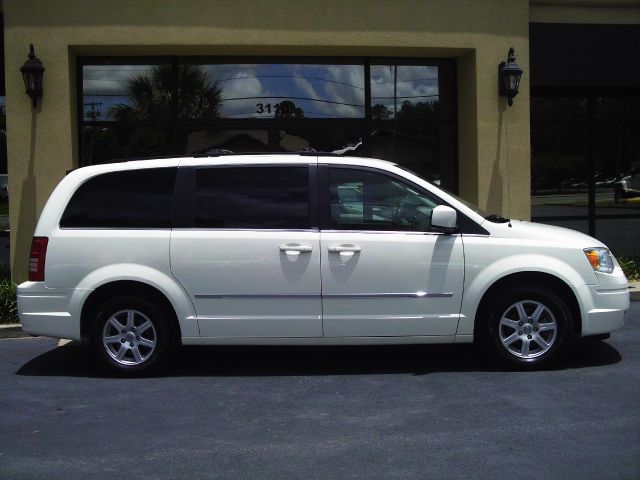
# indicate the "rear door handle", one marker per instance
pixel 295 249
pixel 344 250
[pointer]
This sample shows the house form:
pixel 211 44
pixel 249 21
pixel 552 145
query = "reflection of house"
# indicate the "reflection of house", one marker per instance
pixel 242 141
pixel 233 140
pixel 415 154
pixel 292 143
pixel 418 155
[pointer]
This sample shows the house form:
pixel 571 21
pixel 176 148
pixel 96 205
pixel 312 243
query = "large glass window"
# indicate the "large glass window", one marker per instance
pixel 129 199
pixel 398 110
pixel 252 197
pixel 585 166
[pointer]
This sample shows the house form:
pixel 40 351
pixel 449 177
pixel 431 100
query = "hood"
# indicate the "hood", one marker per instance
pixel 541 233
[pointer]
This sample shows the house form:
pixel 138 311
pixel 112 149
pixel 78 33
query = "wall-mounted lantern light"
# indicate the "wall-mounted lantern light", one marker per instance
pixel 32 72
pixel 509 77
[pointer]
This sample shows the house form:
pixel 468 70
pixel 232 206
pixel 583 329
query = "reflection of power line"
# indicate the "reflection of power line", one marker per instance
pixel 410 96
pixel 289 76
pixel 294 98
pixel 307 114
pixel 405 81
pixel 124 80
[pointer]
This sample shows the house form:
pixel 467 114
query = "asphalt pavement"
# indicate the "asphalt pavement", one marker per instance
pixel 440 412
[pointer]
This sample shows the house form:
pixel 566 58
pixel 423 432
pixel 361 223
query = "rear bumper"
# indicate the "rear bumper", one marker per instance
pixel 603 309
pixel 45 311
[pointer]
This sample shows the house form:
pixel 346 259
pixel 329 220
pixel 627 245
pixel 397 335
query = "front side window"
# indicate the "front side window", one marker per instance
pixel 129 199
pixel 252 198
pixel 365 200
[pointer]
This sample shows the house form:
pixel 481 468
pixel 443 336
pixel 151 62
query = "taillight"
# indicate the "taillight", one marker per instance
pixel 37 258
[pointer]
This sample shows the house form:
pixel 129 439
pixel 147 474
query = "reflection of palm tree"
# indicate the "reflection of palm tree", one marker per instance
pixel 151 95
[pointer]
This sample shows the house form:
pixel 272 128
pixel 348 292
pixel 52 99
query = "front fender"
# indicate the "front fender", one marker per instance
pixel 479 279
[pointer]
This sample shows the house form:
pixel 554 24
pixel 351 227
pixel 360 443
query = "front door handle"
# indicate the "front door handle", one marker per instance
pixel 345 250
pixel 295 249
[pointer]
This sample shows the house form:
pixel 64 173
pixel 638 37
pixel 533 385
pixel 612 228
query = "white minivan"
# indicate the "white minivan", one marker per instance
pixel 142 256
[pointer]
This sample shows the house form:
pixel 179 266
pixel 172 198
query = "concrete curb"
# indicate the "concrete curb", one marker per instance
pixel 14 330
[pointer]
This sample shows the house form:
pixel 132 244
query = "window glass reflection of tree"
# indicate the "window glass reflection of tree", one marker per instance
pixel 152 99
pixel 151 95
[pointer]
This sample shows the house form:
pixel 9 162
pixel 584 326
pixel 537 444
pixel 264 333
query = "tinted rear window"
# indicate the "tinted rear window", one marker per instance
pixel 252 197
pixel 129 199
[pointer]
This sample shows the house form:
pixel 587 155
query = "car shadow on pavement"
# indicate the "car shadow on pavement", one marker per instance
pixel 75 360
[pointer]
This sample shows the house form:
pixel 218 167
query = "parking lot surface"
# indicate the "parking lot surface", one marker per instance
pixel 327 413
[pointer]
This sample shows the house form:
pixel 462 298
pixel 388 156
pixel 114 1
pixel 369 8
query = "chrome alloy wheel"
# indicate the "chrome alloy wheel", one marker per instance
pixel 129 337
pixel 528 329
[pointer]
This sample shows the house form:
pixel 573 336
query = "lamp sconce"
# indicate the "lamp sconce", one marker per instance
pixel 32 73
pixel 509 74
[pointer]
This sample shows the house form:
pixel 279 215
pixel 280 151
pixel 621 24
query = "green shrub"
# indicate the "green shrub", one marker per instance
pixel 631 268
pixel 8 302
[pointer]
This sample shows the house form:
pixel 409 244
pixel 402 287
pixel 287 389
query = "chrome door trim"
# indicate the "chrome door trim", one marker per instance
pixel 335 295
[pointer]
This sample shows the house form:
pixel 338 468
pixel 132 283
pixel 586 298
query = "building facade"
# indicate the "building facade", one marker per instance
pixel 415 82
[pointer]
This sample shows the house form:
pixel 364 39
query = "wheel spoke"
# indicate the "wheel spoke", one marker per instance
pixel 522 315
pixel 546 327
pixel 537 313
pixel 136 354
pixel 130 315
pixel 112 339
pixel 145 326
pixel 524 349
pixel 113 321
pixel 507 322
pixel 514 337
pixel 122 352
pixel 541 341
pixel 146 342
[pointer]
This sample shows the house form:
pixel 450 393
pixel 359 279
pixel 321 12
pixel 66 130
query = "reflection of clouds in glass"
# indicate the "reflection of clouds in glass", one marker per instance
pixel 310 87
pixel 240 84
pixel 110 79
pixel 343 84
pixel 414 83
pixel 323 91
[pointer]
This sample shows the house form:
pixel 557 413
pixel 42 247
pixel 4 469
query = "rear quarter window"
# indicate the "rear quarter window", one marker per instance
pixel 127 199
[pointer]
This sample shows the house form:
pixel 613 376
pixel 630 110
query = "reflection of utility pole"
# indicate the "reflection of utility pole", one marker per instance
pixel 92 115
pixel 395 111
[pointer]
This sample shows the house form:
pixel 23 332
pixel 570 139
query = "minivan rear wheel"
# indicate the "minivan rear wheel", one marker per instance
pixel 130 336
pixel 528 327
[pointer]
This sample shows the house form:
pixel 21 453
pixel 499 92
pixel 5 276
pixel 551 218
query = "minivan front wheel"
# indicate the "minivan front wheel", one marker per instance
pixel 130 336
pixel 528 327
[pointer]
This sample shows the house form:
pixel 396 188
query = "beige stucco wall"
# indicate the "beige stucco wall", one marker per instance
pixel 42 143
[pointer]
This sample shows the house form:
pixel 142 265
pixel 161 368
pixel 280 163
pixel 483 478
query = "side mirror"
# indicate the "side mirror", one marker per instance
pixel 443 219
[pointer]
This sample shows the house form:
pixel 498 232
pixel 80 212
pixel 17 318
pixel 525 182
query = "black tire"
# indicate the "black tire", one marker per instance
pixel 538 336
pixel 141 344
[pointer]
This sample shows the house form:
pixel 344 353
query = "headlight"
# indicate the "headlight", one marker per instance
pixel 600 259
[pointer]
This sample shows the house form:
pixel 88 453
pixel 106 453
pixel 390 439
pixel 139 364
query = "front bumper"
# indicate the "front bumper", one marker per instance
pixel 45 311
pixel 603 308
